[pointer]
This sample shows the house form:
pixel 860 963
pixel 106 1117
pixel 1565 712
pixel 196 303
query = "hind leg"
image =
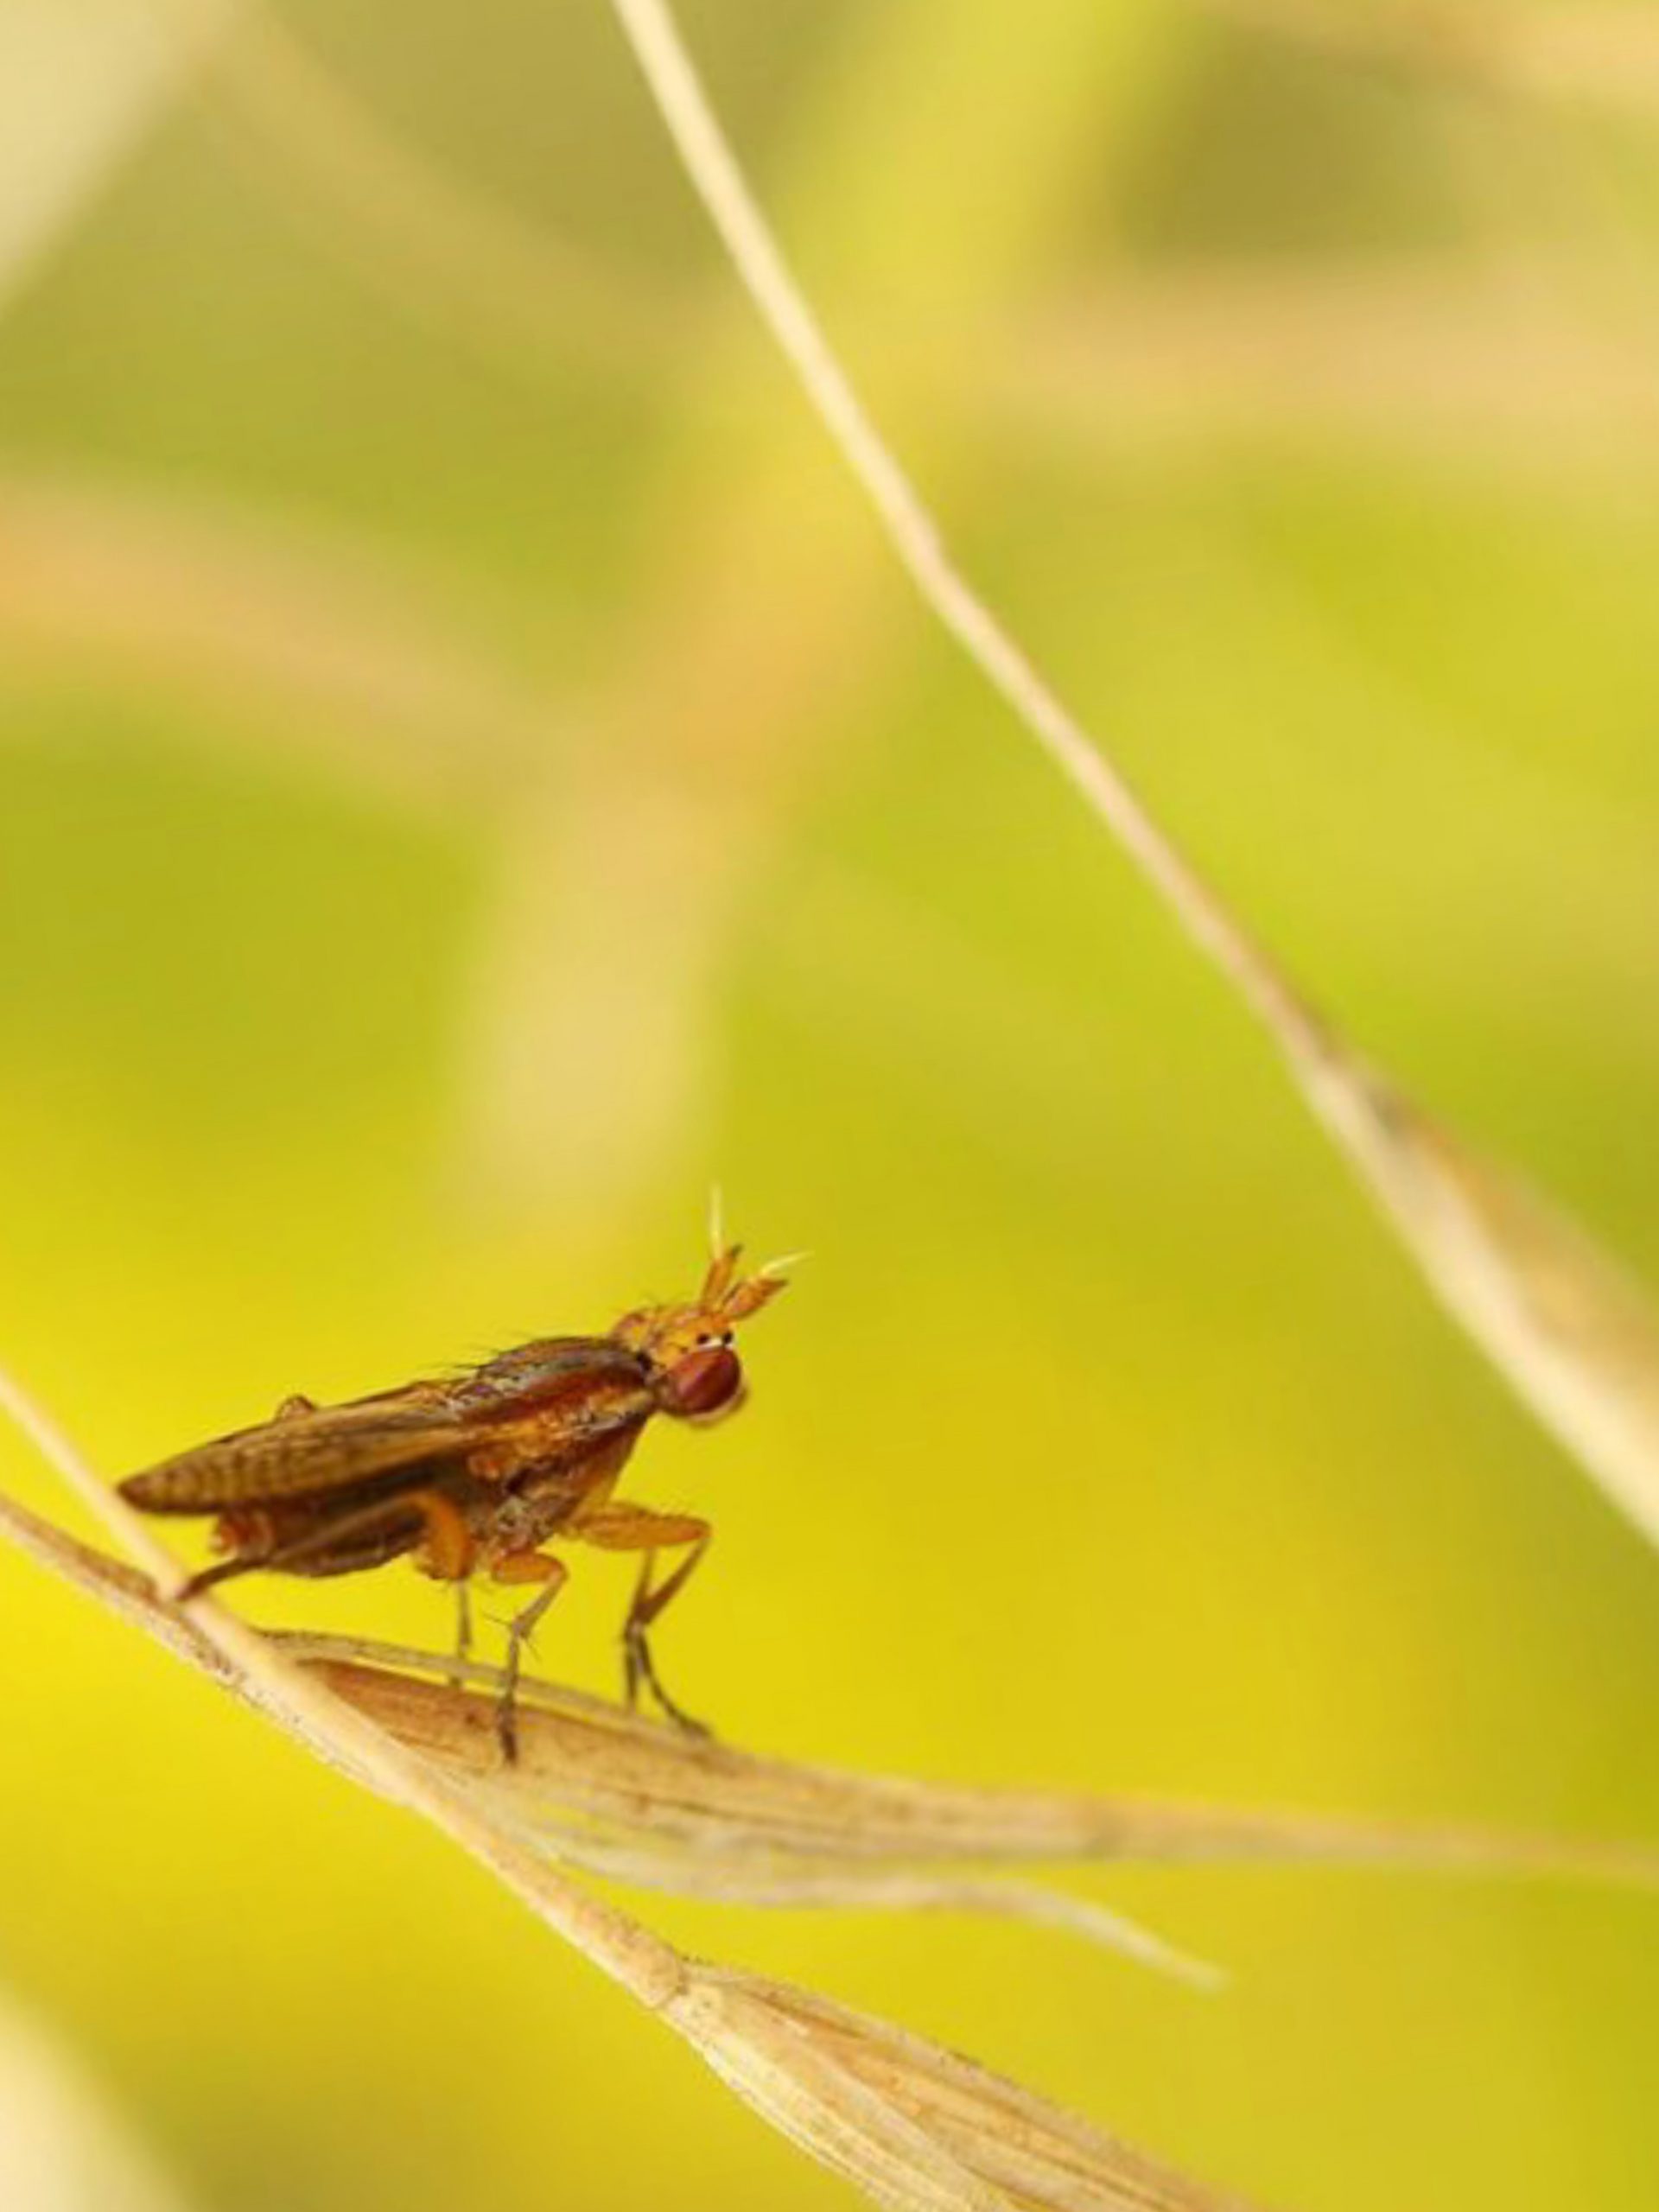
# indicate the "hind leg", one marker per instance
pixel 336 1542
pixel 348 1539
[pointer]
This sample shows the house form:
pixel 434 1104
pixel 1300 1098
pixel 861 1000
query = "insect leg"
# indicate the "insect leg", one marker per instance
pixel 448 1554
pixel 463 1630
pixel 310 1544
pixel 551 1573
pixel 637 1529
pixel 291 1408
pixel 398 1521
pixel 448 1551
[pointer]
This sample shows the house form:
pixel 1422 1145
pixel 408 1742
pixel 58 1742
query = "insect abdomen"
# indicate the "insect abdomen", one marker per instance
pixel 182 1486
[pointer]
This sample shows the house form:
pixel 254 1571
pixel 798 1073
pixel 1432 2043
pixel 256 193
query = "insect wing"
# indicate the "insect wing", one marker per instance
pixel 544 1374
pixel 303 1455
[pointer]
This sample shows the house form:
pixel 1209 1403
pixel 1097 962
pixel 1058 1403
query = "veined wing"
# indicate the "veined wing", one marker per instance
pixel 371 1440
pixel 545 1373
pixel 306 1455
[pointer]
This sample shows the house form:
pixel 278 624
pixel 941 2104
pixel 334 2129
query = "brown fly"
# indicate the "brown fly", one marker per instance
pixel 478 1474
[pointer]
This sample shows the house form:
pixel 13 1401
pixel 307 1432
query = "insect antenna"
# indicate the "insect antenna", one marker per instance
pixel 716 1222
pixel 779 1270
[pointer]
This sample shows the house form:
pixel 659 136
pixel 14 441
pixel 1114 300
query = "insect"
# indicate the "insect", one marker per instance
pixel 480 1472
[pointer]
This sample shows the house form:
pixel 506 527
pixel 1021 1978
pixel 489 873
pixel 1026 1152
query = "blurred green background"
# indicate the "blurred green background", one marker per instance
pixel 470 777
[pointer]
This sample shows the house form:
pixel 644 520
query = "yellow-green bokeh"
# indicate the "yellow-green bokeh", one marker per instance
pixel 1105 1439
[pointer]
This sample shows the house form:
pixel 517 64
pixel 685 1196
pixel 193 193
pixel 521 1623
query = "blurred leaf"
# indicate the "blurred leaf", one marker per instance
pixel 1607 56
pixel 379 685
pixel 458 259
pixel 62 2147
pixel 80 82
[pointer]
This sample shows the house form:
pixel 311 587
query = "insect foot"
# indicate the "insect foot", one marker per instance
pixel 639 1669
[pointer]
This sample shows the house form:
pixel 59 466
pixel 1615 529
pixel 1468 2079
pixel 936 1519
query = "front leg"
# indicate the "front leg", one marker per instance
pixel 637 1529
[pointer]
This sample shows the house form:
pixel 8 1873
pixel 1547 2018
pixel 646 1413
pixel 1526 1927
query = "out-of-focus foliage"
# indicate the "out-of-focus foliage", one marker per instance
pixel 62 2148
pixel 469 778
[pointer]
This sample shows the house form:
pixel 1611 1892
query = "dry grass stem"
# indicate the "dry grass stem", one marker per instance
pixel 915 2125
pixel 640 1961
pixel 910 2125
pixel 1583 1359
pixel 589 1767
pixel 1576 1336
pixel 626 1796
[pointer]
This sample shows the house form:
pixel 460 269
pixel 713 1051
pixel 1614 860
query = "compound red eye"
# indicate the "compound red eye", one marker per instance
pixel 704 1381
